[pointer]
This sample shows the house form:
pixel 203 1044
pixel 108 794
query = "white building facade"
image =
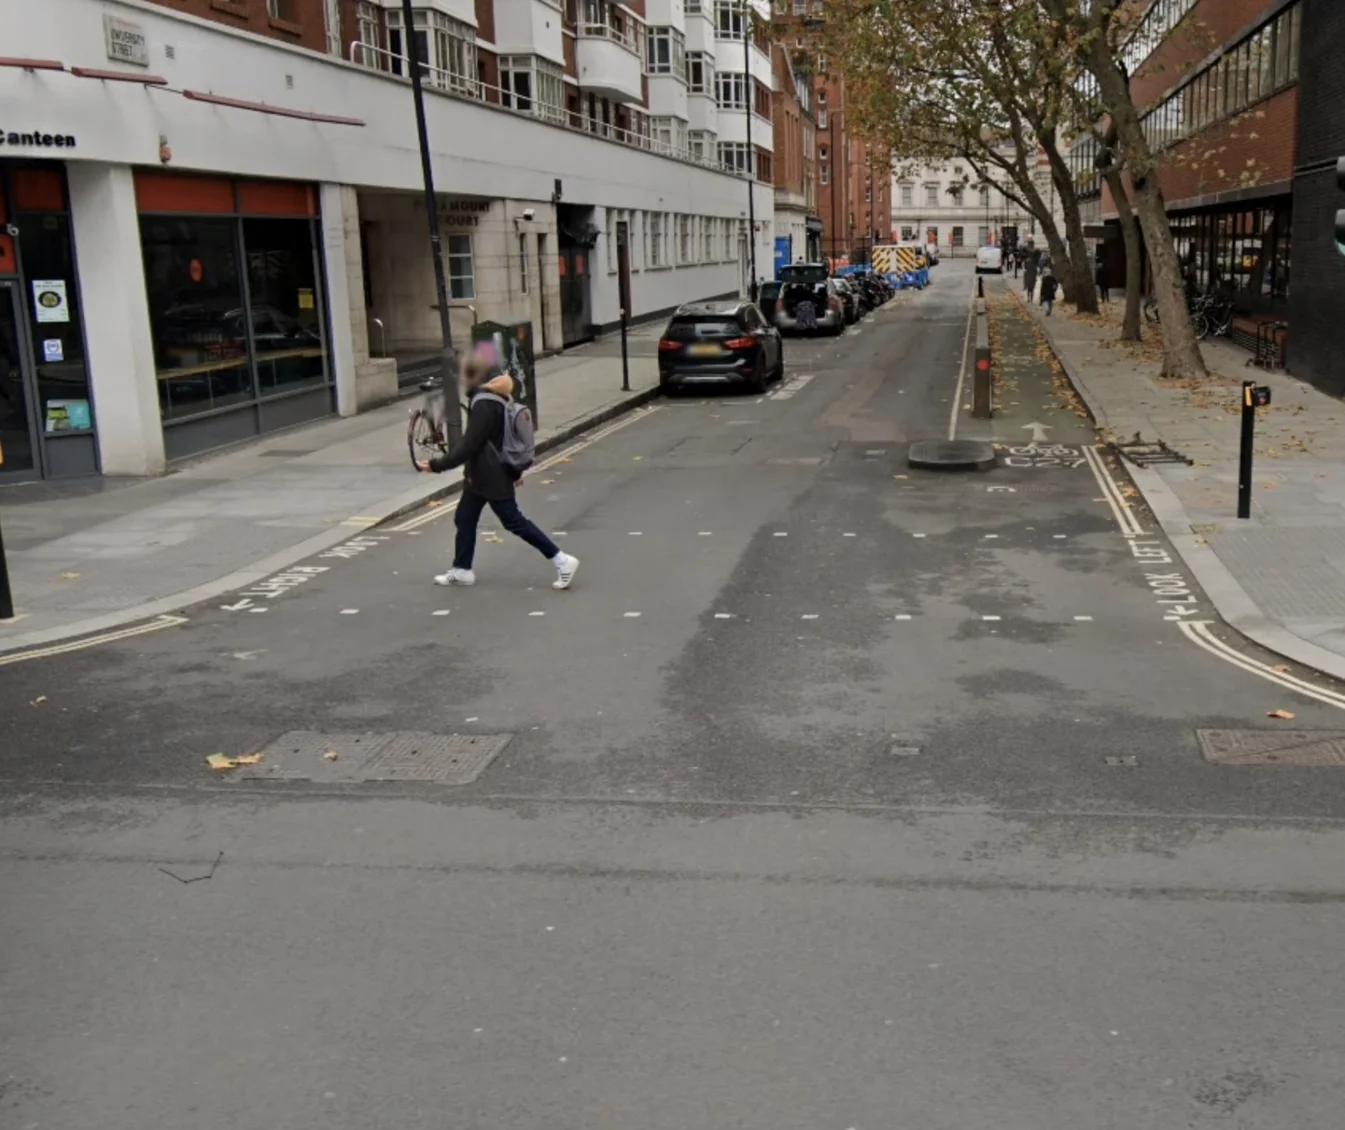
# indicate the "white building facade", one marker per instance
pixel 207 234
pixel 946 205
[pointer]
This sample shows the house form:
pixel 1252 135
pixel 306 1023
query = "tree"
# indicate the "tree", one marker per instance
pixel 984 80
pixel 1111 173
pixel 1096 29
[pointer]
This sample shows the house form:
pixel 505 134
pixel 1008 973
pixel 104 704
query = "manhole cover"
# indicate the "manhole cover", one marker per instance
pixel 951 455
pixel 1278 747
pixel 438 759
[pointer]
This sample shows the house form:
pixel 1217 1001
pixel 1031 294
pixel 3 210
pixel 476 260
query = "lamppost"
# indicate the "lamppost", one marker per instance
pixel 452 412
pixel 749 92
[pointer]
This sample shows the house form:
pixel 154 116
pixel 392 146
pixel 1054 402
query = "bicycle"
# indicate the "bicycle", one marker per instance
pixel 426 429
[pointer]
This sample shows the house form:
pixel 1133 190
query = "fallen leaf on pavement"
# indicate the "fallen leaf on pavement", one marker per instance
pixel 218 762
pixel 434 504
pixel 249 759
pixel 1284 714
pixel 547 482
pixel 39 700
pixel 901 476
pixel 331 755
pixel 69 576
pixel 1282 668
pixel 637 458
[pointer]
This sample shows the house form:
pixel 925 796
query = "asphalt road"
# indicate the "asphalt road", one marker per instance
pixel 837 794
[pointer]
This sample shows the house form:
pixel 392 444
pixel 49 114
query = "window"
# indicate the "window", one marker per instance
pixel 655 257
pixel 932 195
pixel 533 86
pixel 668 134
pixel 700 73
pixel 908 195
pixel 522 263
pixel 684 239
pixel 730 90
pixel 824 174
pixel 765 169
pixel 822 152
pixel 444 47
pixel 369 25
pixel 821 117
pixel 868 195
pixel 907 233
pixel 734 157
pixel 692 7
pixel 984 194
pixel 708 235
pixel 957 237
pixel 461 281
pixel 281 10
pixel 762 96
pixel 728 20
pixel 700 143
pixel 955 195
pixel 982 237
pixel 666 52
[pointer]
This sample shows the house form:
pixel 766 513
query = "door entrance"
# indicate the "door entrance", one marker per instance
pixel 18 426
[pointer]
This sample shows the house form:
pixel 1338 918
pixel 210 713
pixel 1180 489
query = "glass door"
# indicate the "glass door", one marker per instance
pixel 18 434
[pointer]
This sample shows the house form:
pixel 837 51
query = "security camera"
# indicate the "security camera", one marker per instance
pixel 528 213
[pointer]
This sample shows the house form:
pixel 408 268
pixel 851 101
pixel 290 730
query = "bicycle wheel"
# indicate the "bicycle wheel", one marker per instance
pixel 1151 309
pixel 424 439
pixel 1201 325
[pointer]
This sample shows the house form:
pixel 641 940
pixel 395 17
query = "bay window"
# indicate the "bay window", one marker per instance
pixel 444 47
pixel 666 54
pixel 731 90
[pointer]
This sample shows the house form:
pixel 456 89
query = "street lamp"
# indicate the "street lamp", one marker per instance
pixel 749 91
pixel 452 412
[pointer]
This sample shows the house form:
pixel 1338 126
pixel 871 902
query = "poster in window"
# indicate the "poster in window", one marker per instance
pixel 49 301
pixel 68 416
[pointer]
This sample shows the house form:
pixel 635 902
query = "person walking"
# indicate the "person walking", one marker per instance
pixel 1103 288
pixel 1048 287
pixel 488 479
pixel 1030 273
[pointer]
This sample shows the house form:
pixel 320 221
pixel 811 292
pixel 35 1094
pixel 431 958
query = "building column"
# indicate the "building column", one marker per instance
pixel 362 381
pixel 120 349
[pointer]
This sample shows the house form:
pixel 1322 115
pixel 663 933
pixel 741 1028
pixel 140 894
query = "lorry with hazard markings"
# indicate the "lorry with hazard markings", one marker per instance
pixel 902 264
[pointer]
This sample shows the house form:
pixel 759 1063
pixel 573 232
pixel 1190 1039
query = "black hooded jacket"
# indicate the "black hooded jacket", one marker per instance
pixel 479 451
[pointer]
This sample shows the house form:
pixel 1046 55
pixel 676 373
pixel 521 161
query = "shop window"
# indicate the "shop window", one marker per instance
pixel 194 291
pixel 287 337
pixel 461 277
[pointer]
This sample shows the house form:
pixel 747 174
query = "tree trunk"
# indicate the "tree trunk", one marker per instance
pixel 1081 290
pixel 1181 352
pixel 1130 328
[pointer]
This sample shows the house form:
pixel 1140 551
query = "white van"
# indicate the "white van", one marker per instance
pixel 989 261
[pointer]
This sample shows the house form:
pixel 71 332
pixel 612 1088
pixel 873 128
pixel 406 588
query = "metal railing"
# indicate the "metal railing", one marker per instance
pixel 501 98
pixel 606 31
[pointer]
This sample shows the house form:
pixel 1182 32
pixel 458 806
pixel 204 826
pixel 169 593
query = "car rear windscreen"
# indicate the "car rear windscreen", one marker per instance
pixel 810 275
pixel 688 329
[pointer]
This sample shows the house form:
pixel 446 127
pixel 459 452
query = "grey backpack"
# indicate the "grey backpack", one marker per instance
pixel 519 449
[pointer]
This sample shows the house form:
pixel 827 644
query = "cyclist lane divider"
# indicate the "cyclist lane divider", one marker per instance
pixel 259 583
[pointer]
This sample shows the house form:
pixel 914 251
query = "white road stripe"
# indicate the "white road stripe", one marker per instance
pixel 962 370
pixel 1198 632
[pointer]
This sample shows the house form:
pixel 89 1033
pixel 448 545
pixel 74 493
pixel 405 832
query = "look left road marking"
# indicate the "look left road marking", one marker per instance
pixel 158 623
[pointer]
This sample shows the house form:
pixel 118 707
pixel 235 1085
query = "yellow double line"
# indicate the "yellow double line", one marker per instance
pixel 154 625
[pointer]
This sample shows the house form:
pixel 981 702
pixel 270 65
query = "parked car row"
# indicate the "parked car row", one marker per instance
pixel 741 343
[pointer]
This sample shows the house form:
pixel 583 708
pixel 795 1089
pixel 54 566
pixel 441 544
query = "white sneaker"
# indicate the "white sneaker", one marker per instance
pixel 566 567
pixel 464 577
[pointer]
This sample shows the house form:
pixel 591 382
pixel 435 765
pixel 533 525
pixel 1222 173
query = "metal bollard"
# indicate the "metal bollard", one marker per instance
pixel 1254 396
pixel 982 404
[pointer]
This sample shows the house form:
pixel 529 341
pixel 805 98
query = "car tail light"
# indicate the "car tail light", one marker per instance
pixel 834 304
pixel 667 346
pixel 740 343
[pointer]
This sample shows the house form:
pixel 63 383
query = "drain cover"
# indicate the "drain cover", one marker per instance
pixel 438 759
pixel 951 455
pixel 1278 747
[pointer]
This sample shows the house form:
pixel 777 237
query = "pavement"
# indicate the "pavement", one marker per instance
pixel 834 794
pixel 1278 577
pixel 97 554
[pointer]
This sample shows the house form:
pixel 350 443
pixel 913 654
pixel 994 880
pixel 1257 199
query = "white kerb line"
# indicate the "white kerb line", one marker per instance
pixel 962 370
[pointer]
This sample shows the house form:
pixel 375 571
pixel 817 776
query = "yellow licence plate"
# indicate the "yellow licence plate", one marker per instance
pixel 704 351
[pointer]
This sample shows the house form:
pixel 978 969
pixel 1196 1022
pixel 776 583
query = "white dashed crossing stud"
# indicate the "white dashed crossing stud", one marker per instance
pixel 723 615
pixel 350 612
pixel 632 615
pixel 992 617
pixel 849 535
pixel 781 534
pixel 918 535
pixel 810 616
pixel 536 613
pixel 903 615
pixel 705 534
pixel 439 612
pixel 1082 618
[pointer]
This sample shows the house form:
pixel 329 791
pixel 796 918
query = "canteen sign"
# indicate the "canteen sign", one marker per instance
pixel 49 301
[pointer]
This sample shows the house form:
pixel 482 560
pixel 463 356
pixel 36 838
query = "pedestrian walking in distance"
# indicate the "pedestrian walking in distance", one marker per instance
pixel 1030 274
pixel 494 452
pixel 1103 289
pixel 1048 286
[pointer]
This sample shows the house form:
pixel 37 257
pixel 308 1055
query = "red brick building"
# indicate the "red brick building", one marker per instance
pixel 1218 82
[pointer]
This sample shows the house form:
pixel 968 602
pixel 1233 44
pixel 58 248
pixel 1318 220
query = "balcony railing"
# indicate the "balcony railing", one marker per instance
pixel 437 82
pixel 616 35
